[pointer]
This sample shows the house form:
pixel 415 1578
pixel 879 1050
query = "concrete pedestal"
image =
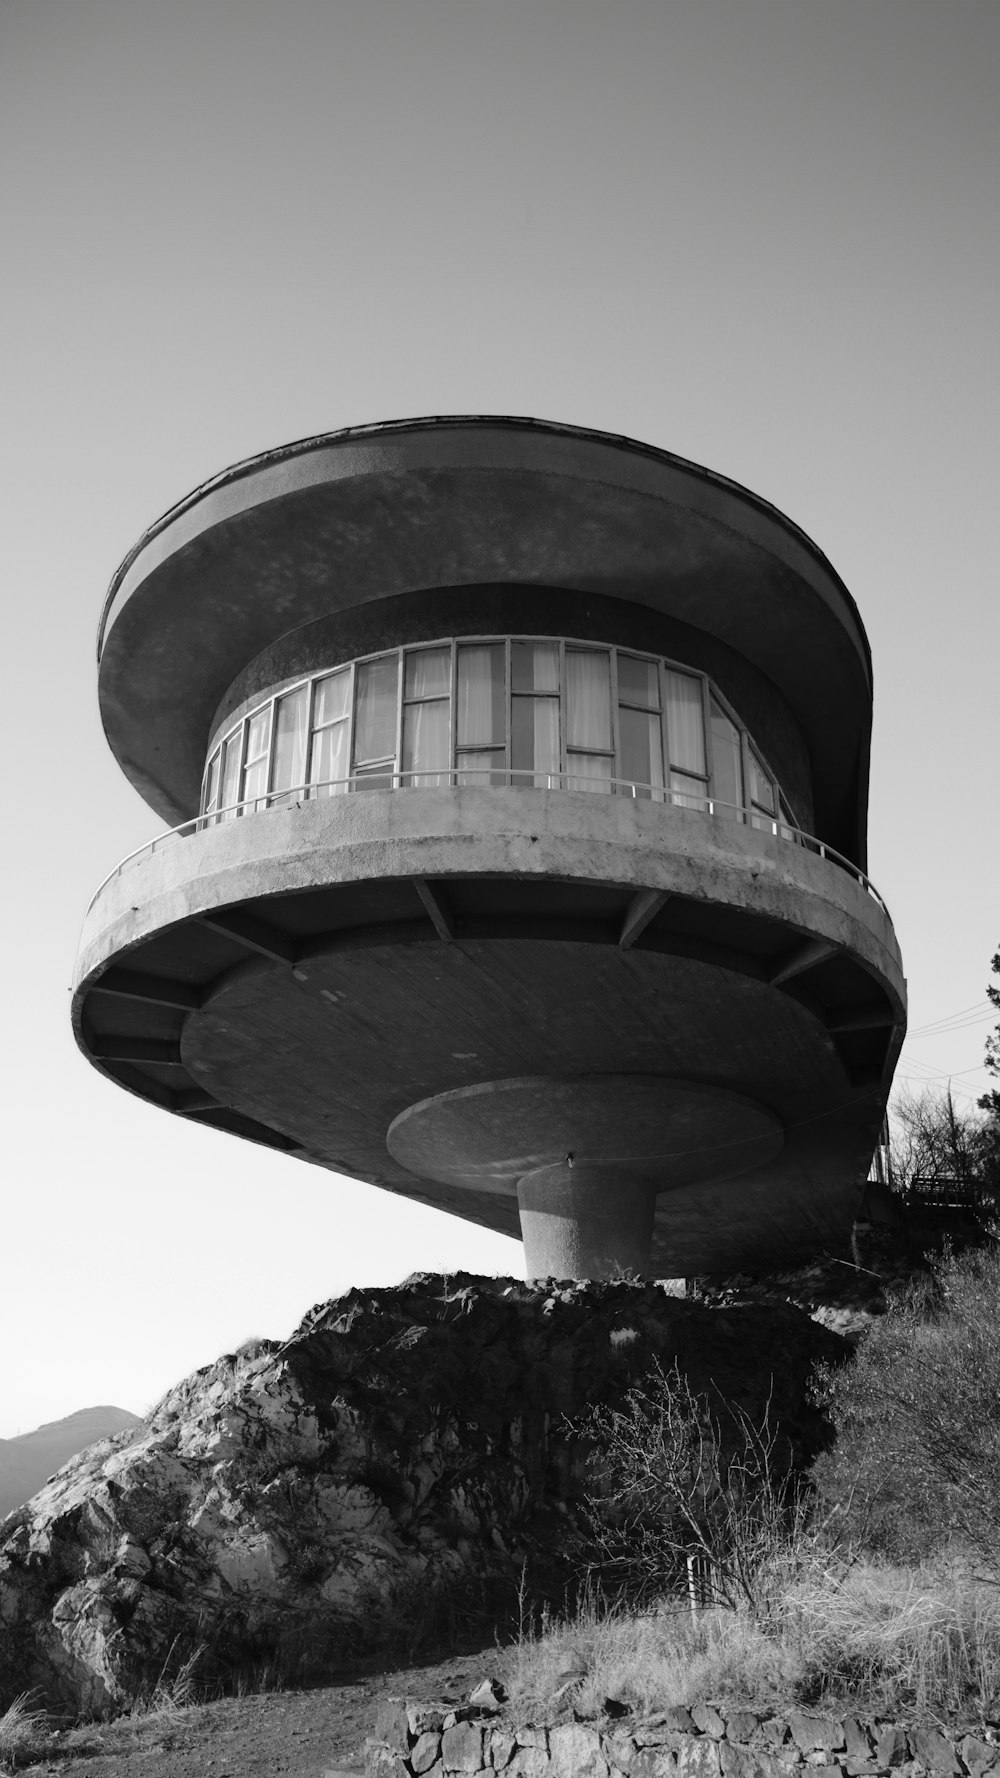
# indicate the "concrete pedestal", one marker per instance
pixel 585 1156
pixel 585 1222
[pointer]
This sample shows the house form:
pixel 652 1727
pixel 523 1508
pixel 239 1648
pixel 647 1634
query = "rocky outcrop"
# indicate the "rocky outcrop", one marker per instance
pixel 285 1505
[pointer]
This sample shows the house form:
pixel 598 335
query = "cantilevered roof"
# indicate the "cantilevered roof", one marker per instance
pixel 351 517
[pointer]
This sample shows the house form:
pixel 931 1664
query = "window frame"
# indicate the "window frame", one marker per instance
pixel 782 819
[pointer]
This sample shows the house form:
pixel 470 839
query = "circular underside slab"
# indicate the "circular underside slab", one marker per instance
pixel 668 1132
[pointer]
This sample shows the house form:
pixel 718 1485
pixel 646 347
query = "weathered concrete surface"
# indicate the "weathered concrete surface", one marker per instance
pixel 585 1222
pixel 587 1157
pixel 353 518
pixel 288 1503
pixel 524 833
pixel 361 1011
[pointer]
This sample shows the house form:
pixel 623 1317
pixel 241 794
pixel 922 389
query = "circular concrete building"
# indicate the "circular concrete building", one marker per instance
pixel 517 781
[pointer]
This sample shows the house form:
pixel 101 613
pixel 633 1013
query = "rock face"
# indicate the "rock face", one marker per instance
pixel 288 1504
pixel 28 1460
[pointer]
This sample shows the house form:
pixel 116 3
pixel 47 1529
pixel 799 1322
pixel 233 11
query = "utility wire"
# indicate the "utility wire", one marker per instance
pixel 979 1008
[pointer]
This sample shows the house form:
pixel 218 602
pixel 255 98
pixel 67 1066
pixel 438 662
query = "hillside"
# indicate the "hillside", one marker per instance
pixel 403 1458
pixel 27 1462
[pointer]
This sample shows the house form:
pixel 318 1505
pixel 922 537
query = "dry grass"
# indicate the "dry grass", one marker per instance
pixel 925 1639
pixel 909 1641
pixel 24 1731
pixel 646 1660
pixel 172 1695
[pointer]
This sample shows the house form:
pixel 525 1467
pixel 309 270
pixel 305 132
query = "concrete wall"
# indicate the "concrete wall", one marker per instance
pixel 438 833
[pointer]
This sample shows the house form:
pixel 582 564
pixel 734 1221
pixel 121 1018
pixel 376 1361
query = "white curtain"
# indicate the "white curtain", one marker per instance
pixel 375 710
pixel 330 700
pixel 480 708
pixel 588 719
pixel 534 741
pixel 212 784
pixel 330 764
pixel 428 673
pixel 231 761
pixel 588 699
pixel 291 715
pixel 534 666
pixel 727 765
pixel 685 723
pixel 425 744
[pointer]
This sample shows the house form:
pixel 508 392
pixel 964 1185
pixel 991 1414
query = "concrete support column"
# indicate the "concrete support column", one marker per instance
pixel 585 1221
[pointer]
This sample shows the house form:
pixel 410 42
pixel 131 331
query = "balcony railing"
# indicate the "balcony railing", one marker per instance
pixel 498 777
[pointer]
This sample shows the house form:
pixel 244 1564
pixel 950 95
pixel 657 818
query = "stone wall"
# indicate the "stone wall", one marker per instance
pixel 707 1741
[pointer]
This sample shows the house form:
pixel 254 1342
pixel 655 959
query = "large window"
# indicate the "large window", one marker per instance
pixel 539 713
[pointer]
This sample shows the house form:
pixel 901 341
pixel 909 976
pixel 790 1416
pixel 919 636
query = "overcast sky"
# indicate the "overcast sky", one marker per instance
pixel 759 233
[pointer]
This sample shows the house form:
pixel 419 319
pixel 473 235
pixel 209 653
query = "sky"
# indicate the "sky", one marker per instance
pixel 761 234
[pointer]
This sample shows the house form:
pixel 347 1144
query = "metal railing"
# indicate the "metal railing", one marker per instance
pixel 498 777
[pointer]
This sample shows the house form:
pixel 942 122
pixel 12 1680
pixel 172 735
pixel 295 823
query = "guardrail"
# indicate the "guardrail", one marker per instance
pixel 497 777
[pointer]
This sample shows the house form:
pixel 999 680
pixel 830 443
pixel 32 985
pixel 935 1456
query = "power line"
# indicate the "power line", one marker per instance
pixel 980 1008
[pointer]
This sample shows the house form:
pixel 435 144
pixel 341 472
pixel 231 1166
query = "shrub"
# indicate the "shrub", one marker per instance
pixel 916 1464
pixel 679 1480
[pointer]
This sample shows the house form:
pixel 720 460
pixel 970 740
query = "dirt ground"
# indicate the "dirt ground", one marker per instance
pixel 299 1734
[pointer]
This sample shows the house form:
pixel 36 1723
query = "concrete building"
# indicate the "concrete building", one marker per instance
pixel 518 780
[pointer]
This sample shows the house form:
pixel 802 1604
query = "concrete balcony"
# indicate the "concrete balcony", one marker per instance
pixel 316 976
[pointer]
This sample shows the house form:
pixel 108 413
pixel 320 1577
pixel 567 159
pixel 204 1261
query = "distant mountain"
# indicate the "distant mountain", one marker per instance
pixel 26 1462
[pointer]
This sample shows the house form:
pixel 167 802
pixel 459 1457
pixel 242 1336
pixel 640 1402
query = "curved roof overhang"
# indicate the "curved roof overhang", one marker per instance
pixel 361 515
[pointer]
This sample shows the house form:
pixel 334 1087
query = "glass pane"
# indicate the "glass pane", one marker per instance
pixel 428 673
pixel 642 754
pixel 761 786
pixel 688 793
pixel 330 700
pixel 426 750
pixel 481 695
pixel 231 762
pixel 727 761
pixel 258 732
pixel 373 778
pixel 486 766
pixel 588 698
pixel 589 771
pixel 212 784
pixel 288 771
pixel 254 786
pixel 534 741
pixel 375 710
pixel 685 723
pixel 534 666
pixel 329 766
pixel 638 682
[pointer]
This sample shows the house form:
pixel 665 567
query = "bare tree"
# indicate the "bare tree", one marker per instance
pixel 934 1144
